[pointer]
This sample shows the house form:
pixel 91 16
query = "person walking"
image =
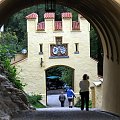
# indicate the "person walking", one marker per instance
pixel 84 92
pixel 62 99
pixel 70 96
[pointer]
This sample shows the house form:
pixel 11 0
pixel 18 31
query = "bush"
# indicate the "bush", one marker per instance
pixel 78 103
pixel 9 70
pixel 11 74
pixel 34 100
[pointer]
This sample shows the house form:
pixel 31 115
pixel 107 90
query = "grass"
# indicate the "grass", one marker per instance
pixel 78 103
pixel 39 105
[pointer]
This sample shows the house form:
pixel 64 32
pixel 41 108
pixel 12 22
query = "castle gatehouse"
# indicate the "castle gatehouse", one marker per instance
pixel 56 43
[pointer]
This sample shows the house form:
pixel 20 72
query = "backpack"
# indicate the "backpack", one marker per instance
pixel 62 98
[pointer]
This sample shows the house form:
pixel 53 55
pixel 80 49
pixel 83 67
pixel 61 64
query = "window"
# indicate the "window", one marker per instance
pixel 41 49
pixel 58 40
pixel 76 48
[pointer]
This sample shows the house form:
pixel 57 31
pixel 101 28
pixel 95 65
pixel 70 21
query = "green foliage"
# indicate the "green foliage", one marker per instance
pixel 11 74
pixel 54 71
pixel 17 23
pixel 67 75
pixel 78 103
pixel 8 38
pixel 95 45
pixel 8 49
pixel 64 72
pixel 8 44
pixel 6 53
pixel 74 14
pixel 34 100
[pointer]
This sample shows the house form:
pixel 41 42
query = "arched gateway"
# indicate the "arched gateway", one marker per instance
pixel 52 43
pixel 104 15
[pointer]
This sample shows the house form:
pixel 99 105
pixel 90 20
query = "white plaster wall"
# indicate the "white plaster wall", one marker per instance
pixel 67 24
pixel 34 74
pixel 98 96
pixel 31 25
pixel 49 25
pixel 112 81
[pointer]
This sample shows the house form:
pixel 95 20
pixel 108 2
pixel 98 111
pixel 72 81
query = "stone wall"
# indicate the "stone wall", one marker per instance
pixel 12 100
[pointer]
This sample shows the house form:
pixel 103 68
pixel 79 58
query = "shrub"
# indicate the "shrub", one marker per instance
pixel 78 103
pixel 34 100
pixel 9 70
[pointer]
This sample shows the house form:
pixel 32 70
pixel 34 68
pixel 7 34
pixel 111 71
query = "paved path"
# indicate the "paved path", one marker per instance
pixel 64 114
pixel 53 101
pixel 55 112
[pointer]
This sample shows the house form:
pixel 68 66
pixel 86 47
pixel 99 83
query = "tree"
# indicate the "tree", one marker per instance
pixel 93 43
pixel 96 50
pixel 65 73
pixel 8 42
pixel 17 23
pixel 9 70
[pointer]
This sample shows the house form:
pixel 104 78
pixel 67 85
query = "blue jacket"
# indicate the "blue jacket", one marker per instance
pixel 70 93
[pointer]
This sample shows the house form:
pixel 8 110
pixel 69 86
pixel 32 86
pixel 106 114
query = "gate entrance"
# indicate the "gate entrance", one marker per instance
pixel 58 80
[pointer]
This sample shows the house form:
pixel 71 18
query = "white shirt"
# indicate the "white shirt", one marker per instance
pixel 84 85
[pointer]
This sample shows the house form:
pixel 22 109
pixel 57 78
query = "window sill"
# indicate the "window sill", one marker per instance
pixel 57 57
pixel 40 53
pixel 76 52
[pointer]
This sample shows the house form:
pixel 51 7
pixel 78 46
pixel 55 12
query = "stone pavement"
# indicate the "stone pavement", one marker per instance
pixel 53 101
pixel 55 112
pixel 64 113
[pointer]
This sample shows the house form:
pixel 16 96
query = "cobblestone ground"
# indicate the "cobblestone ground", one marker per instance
pixel 64 114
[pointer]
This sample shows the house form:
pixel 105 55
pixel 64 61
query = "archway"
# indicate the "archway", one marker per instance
pixel 105 17
pixel 58 79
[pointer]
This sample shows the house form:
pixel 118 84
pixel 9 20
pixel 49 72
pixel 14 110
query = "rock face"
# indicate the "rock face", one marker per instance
pixel 11 99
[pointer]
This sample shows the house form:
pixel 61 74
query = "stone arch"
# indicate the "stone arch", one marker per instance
pixel 58 90
pixel 64 66
pixel 105 17
pixel 59 65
